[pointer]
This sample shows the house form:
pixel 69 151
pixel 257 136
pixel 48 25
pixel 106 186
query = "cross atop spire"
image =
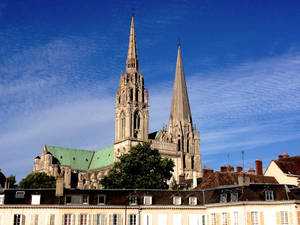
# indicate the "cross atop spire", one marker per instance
pixel 132 64
pixel 180 108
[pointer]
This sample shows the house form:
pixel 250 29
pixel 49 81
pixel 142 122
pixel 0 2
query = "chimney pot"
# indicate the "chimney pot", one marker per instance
pixel 239 169
pixel 251 171
pixel 223 168
pixel 259 170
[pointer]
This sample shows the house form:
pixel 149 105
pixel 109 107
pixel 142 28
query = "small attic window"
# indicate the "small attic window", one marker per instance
pixel 73 158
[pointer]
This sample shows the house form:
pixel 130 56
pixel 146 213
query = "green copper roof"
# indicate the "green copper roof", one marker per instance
pixel 83 159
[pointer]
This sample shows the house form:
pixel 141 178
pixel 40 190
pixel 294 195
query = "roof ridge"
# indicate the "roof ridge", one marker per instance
pixel 71 148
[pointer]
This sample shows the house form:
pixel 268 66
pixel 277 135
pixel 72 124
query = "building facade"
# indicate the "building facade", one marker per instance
pixel 253 204
pixel 179 141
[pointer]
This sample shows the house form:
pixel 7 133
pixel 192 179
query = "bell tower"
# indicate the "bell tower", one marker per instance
pixel 132 113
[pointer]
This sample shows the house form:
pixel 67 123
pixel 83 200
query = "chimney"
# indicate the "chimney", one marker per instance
pixel 251 171
pixel 181 178
pixel 280 156
pixel 259 170
pixel 243 179
pixel 239 169
pixel 223 168
pixel 59 185
pixel 285 155
pixel 207 171
pixel 230 168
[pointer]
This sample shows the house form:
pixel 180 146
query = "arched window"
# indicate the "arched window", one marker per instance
pixel 187 145
pixel 122 125
pixel 136 120
pixel 178 144
pixel 192 162
pixel 136 95
pixel 184 165
pixel 131 94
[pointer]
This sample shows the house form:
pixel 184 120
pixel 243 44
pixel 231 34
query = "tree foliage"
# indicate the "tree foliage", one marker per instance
pixel 142 168
pixel 38 180
pixel 12 181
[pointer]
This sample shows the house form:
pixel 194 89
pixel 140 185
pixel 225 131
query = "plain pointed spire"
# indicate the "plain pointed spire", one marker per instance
pixel 132 59
pixel 180 108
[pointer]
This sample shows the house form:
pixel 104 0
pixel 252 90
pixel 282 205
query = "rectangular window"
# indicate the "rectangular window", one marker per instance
pixel 177 219
pixel 17 219
pixel 162 219
pixel 147 200
pixel 84 219
pixel 100 219
pixel 147 219
pixel 284 219
pixel 254 218
pixel 114 219
pixel 176 200
pixel 203 220
pixel 132 200
pixel 224 219
pixel 192 200
pixel 2 197
pixel 132 219
pixel 234 197
pixel 85 199
pixel 195 219
pixel 20 194
pixel 35 199
pixel 235 218
pixel 223 198
pixel 101 199
pixel 52 219
pixel 213 219
pixel 77 199
pixel 68 219
pixel 269 196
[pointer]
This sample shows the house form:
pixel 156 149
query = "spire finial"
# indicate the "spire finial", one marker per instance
pixel 132 60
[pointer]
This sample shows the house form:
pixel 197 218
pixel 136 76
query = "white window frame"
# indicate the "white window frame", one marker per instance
pixel 223 197
pixel 114 216
pixel 213 219
pixel 133 219
pixel 52 222
pixel 269 195
pixel 132 200
pixel 177 219
pixel 2 199
pixel 70 219
pixel 20 221
pixel 235 218
pixel 85 199
pixel 147 200
pixel 101 203
pixel 99 219
pixel 284 217
pixel 193 200
pixel 224 220
pixel 177 200
pixel 86 219
pixel 234 196
pixel 162 219
pixel 35 199
pixel 147 219
pixel 255 216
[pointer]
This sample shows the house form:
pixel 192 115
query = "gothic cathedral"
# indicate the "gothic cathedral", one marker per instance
pixel 179 141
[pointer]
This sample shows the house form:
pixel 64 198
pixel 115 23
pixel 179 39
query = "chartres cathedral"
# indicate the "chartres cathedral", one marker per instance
pixel 179 141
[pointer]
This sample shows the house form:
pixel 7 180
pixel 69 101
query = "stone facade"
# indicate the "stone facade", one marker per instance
pixel 179 141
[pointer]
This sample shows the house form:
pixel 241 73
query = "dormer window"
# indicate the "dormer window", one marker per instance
pixel 35 199
pixel 2 197
pixel 192 200
pixel 223 198
pixel 269 195
pixel 101 199
pixel 176 200
pixel 20 194
pixel 133 200
pixel 147 200
pixel 234 196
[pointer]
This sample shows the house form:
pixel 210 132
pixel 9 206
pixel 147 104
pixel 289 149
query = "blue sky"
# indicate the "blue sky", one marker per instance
pixel 60 63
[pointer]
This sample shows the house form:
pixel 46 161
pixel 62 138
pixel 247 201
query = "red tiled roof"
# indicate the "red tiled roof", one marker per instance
pixel 289 165
pixel 217 179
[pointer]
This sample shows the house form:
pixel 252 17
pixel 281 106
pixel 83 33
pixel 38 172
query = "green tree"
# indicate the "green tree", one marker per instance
pixel 12 181
pixel 141 168
pixel 37 180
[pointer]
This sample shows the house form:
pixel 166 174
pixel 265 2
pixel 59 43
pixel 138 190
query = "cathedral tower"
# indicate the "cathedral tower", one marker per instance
pixel 181 126
pixel 132 114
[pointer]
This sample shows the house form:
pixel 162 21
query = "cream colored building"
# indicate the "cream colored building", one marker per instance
pixel 151 207
pixel 179 141
pixel 286 169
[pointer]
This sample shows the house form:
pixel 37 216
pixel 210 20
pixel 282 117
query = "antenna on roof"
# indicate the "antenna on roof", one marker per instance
pixel 243 154
pixel 228 159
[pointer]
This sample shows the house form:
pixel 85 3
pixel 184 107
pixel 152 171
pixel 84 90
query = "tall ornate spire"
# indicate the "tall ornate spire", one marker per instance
pixel 180 108
pixel 132 64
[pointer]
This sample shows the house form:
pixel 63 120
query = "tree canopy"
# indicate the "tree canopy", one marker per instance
pixel 142 168
pixel 38 180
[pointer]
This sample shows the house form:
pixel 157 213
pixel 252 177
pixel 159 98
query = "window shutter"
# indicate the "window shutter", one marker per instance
pixel 278 218
pixel 94 219
pixel 103 218
pixel 137 220
pixel 193 219
pixel 150 200
pixel 262 222
pixel 228 218
pixel 79 220
pixel 63 220
pixel 119 220
pixel 174 201
pixel 207 216
pixel 23 219
pixel 111 219
pixel 73 219
pixel 248 218
pixel 217 218
pixel 291 218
